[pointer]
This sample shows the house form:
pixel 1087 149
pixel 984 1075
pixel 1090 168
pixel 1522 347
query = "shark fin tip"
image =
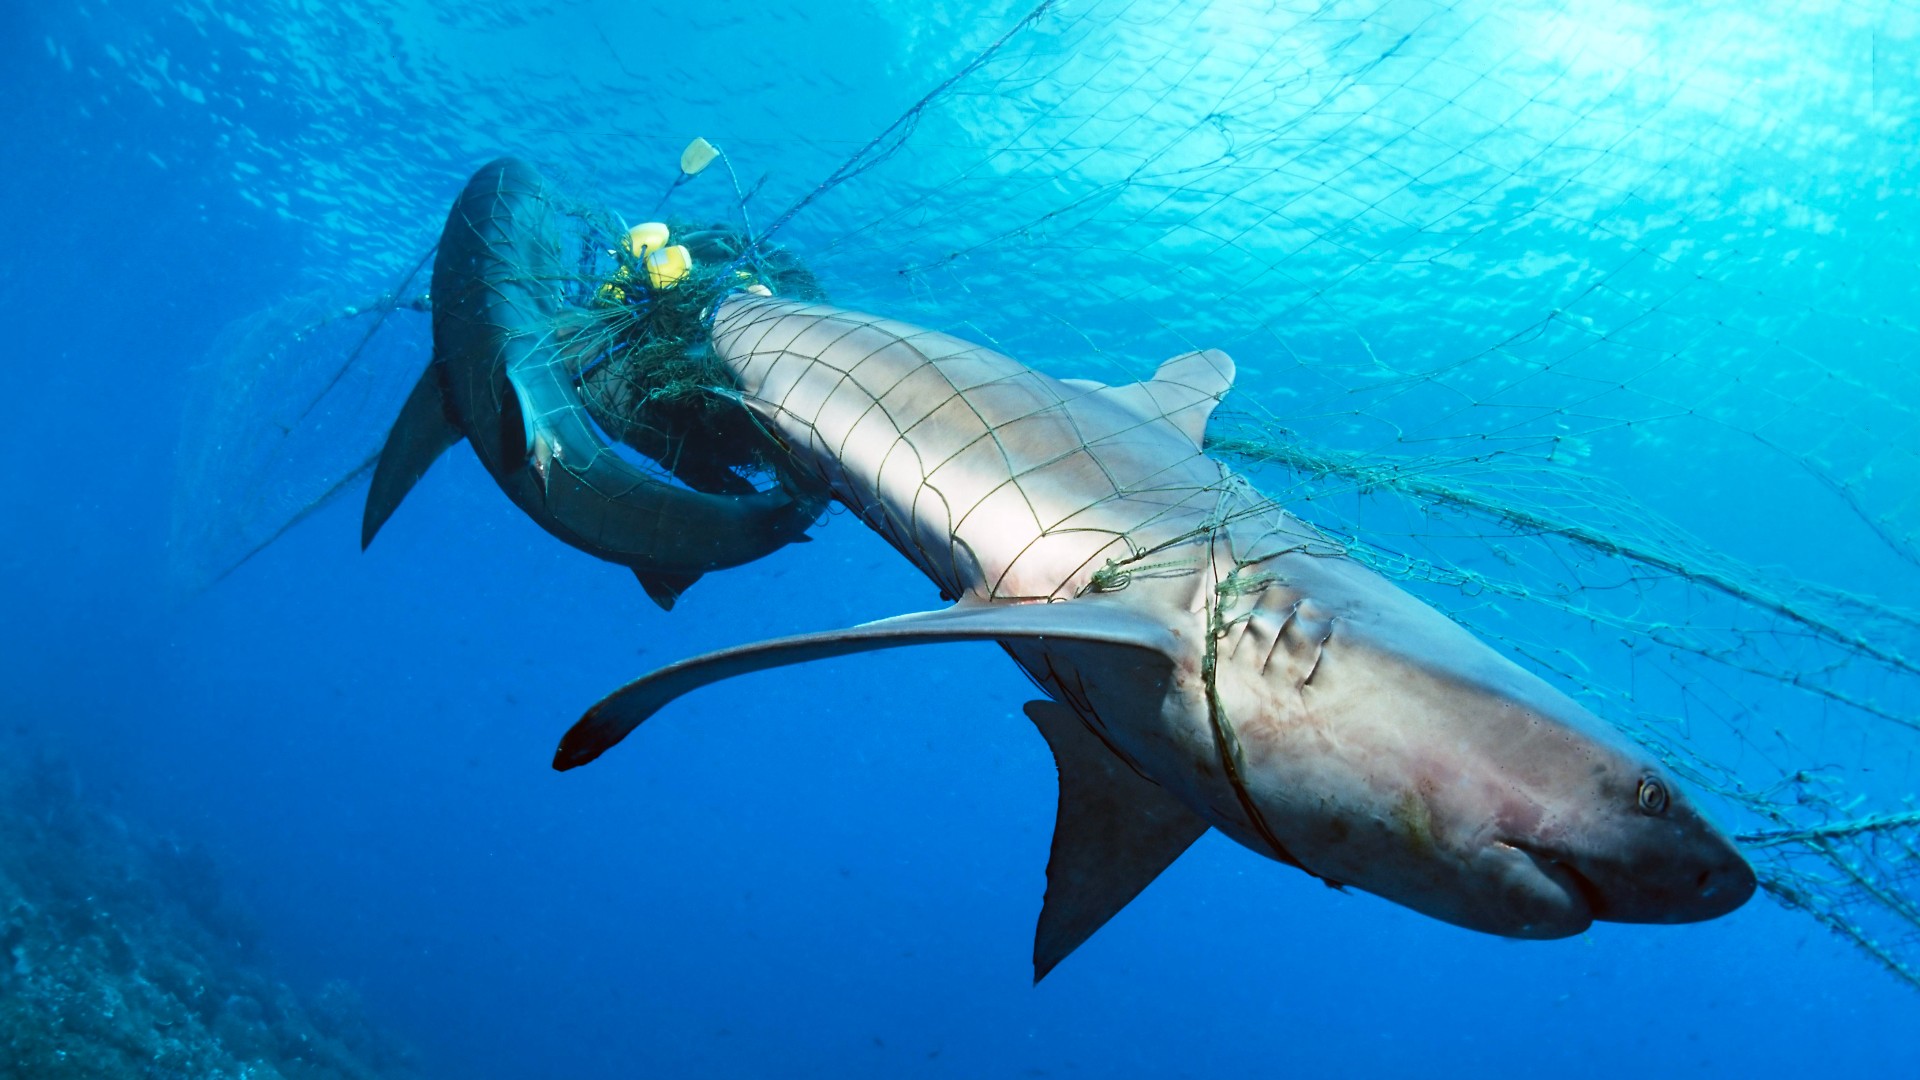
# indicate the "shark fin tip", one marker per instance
pixel 665 588
pixel 420 434
pixel 1114 832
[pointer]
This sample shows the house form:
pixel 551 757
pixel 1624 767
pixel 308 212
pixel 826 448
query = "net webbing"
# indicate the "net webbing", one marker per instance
pixel 1592 322
pixel 1596 330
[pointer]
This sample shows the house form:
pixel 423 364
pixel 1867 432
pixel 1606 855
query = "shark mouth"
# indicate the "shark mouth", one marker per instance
pixel 1584 900
pixel 1692 891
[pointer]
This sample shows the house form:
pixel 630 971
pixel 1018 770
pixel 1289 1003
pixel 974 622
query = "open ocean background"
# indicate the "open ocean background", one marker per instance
pixel 830 870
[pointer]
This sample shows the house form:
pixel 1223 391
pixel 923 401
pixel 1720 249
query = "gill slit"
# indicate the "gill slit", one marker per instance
pixel 1224 737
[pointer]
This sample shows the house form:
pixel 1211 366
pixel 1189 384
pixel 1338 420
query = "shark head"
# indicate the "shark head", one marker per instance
pixel 1448 779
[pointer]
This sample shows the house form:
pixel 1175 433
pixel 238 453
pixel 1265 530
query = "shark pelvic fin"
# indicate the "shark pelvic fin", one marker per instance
pixel 665 589
pixel 420 435
pixel 1114 832
pixel 1095 620
pixel 1188 387
pixel 1183 392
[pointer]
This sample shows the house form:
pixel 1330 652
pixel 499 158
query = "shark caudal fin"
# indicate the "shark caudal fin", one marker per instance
pixel 421 434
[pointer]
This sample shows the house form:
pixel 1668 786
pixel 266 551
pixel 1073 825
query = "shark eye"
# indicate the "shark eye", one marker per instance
pixel 1653 797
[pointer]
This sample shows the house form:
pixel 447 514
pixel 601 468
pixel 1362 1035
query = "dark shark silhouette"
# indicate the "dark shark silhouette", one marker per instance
pixel 499 380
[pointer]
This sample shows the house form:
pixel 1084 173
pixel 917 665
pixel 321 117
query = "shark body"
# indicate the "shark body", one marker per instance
pixel 1209 660
pixel 500 379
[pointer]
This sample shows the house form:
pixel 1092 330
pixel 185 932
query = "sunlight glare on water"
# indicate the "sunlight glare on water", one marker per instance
pixel 1591 324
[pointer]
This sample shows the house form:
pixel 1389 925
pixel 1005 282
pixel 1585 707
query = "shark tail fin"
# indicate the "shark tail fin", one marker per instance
pixel 421 434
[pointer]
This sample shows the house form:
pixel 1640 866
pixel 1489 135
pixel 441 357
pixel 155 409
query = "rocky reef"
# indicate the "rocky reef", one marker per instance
pixel 122 956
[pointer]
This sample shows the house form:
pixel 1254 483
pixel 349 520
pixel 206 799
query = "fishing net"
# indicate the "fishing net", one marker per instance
pixel 282 418
pixel 1590 328
pixel 1590 322
pixel 640 348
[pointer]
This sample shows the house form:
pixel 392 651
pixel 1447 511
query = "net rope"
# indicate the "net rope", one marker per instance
pixel 1590 323
pixel 1683 294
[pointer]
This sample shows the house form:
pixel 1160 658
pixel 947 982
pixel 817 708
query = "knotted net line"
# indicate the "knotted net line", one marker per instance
pixel 1593 327
pixel 1590 322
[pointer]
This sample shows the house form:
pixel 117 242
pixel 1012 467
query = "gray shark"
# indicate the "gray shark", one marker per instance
pixel 1209 660
pixel 499 379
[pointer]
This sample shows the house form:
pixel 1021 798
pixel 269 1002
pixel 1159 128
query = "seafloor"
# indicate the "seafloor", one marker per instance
pixel 121 955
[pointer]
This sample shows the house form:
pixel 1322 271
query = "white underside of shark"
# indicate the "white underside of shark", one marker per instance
pixel 1209 660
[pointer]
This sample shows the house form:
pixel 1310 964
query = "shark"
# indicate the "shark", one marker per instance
pixel 500 378
pixel 1208 659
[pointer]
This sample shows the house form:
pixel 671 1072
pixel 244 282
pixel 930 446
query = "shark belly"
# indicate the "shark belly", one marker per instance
pixel 1002 483
pixel 1209 659
pixel 997 481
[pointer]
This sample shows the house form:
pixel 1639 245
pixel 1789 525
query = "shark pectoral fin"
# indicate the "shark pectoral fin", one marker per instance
pixel 420 435
pixel 665 589
pixel 516 427
pixel 541 459
pixel 1094 619
pixel 1190 385
pixel 1114 832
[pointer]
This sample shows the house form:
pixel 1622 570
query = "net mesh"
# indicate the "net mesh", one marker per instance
pixel 1589 327
pixel 1592 322
pixel 285 415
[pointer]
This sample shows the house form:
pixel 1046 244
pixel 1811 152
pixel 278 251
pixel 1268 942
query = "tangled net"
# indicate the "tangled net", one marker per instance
pixel 642 357
pixel 1591 323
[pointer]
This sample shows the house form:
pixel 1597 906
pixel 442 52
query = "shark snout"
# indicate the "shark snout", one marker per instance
pixel 1666 887
pixel 1683 879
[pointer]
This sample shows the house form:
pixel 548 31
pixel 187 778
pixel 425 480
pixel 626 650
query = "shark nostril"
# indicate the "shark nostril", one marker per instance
pixel 1700 882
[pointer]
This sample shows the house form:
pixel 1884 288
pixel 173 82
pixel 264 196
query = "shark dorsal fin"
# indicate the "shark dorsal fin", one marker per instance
pixel 1114 832
pixel 1183 391
pixel 1093 620
pixel 421 433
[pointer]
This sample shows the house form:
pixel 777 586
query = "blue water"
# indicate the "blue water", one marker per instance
pixel 830 870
